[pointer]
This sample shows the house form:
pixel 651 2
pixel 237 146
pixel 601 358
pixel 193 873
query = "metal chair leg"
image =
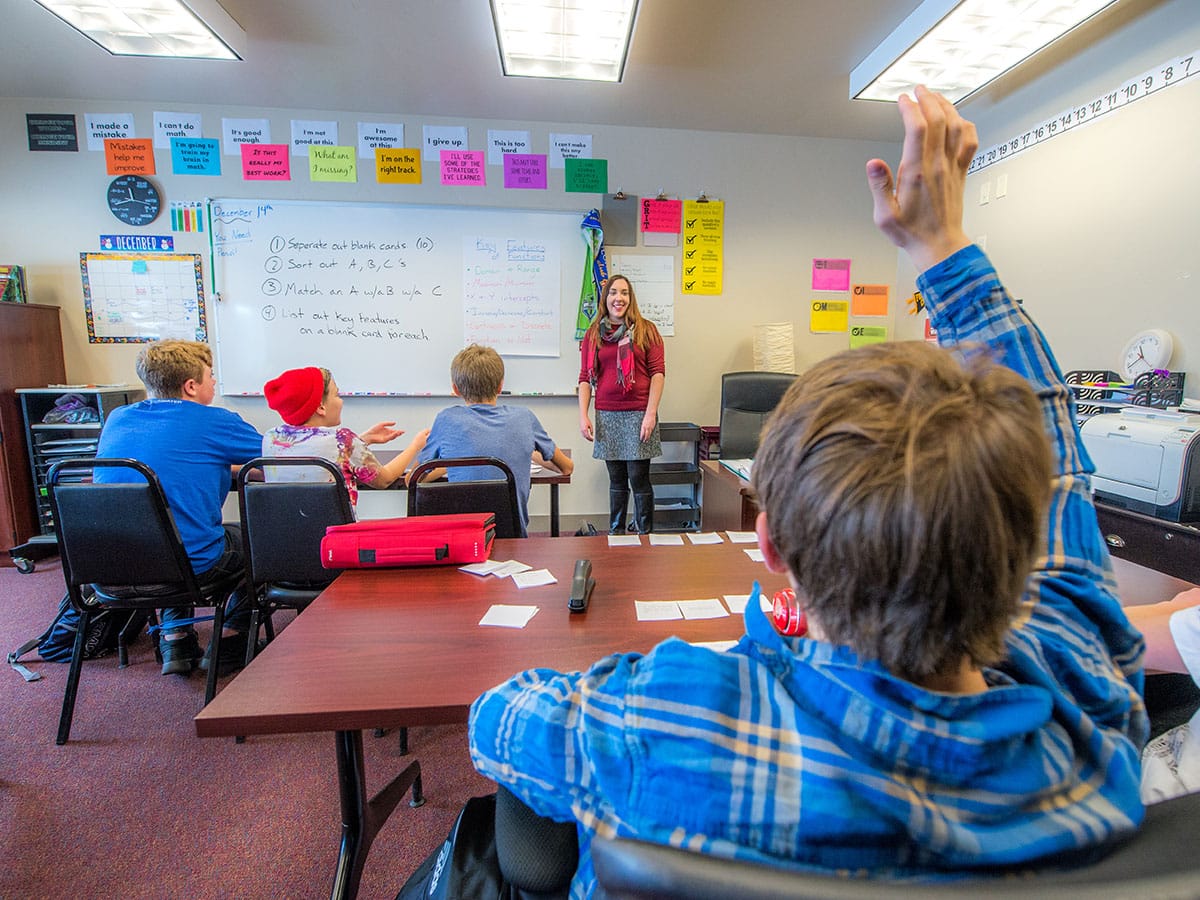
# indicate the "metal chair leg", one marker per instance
pixel 68 707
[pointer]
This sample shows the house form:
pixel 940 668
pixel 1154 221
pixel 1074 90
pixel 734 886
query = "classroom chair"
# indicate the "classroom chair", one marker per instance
pixel 121 539
pixel 282 525
pixel 494 495
pixel 1158 861
pixel 747 399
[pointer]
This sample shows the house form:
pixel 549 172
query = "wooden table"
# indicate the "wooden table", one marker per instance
pixel 390 647
pixel 727 503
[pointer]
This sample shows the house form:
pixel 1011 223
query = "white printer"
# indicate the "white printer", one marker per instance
pixel 1147 461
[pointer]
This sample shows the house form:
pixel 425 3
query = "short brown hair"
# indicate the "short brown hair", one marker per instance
pixel 477 373
pixel 165 366
pixel 906 490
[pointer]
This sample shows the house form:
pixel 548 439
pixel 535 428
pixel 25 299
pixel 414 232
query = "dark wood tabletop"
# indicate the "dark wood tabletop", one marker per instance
pixel 387 647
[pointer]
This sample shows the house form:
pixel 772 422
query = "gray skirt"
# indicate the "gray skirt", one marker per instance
pixel 618 436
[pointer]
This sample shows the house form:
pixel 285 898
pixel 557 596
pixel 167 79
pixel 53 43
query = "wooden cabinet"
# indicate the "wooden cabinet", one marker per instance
pixel 1155 543
pixel 31 355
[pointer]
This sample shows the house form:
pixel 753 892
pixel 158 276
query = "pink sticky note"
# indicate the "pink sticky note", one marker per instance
pixel 266 162
pixel 661 215
pixel 525 170
pixel 463 167
pixel 831 275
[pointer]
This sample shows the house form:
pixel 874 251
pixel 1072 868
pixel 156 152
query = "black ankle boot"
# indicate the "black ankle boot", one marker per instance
pixel 618 502
pixel 643 511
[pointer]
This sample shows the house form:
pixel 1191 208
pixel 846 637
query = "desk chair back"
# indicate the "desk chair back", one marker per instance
pixel 282 526
pixel 495 495
pixel 747 399
pixel 122 539
pixel 1159 861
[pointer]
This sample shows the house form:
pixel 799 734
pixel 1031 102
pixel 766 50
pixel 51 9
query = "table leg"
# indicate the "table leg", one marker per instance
pixel 362 818
pixel 554 510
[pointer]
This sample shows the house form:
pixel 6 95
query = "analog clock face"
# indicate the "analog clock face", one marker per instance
pixel 1146 351
pixel 133 199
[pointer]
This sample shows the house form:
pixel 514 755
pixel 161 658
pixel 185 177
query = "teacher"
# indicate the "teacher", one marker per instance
pixel 623 366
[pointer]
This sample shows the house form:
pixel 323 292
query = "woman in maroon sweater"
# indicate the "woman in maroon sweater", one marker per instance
pixel 623 367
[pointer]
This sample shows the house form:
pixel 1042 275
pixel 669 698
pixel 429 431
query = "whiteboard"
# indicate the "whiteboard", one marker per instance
pixel 384 295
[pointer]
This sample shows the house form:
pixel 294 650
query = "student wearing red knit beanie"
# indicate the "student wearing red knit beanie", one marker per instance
pixel 308 402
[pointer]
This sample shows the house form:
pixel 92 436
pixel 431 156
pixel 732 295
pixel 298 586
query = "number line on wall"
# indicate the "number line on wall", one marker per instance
pixel 1153 80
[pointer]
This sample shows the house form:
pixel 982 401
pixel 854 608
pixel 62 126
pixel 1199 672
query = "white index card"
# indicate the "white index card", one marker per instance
pixel 702 609
pixel 666 540
pixel 705 537
pixel 657 610
pixel 508 615
pixel 624 540
pixel 534 578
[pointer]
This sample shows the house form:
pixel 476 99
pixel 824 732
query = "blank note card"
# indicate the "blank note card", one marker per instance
pixel 508 615
pixel 657 610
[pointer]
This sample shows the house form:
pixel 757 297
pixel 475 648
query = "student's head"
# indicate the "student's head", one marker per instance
pixel 904 490
pixel 304 396
pixel 477 374
pixel 177 369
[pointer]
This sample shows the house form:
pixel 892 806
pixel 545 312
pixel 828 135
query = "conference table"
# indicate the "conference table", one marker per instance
pixel 383 648
pixel 726 500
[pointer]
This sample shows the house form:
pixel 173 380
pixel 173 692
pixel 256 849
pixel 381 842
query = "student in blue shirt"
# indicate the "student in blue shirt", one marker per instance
pixel 192 447
pixel 968 694
pixel 483 427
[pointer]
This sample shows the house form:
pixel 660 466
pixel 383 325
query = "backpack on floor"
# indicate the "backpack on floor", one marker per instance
pixel 56 643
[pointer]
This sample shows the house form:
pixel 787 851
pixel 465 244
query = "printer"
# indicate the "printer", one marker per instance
pixel 1147 460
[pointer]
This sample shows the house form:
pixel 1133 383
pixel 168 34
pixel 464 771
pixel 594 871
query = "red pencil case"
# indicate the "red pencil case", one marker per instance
pixel 458 538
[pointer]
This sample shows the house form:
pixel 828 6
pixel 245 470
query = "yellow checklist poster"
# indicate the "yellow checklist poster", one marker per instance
pixel 829 316
pixel 703 246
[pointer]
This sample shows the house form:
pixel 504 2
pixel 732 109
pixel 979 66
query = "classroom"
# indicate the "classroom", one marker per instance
pixel 746 104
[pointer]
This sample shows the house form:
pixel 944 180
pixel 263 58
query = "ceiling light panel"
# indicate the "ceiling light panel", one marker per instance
pixel 580 39
pixel 178 28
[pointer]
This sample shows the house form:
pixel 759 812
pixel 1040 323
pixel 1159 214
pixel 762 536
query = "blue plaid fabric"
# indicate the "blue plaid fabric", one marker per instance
pixel 792 750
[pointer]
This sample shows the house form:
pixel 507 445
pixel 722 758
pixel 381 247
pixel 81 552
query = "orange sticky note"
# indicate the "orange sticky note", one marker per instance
pixel 869 300
pixel 129 156
pixel 397 165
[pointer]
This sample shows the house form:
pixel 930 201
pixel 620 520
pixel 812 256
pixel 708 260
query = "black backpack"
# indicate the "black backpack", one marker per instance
pixel 56 643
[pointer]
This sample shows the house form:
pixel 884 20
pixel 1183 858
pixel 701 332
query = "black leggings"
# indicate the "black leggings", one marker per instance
pixel 632 472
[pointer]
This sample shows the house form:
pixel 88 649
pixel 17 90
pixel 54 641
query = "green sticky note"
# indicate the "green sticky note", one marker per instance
pixel 861 335
pixel 332 163
pixel 587 176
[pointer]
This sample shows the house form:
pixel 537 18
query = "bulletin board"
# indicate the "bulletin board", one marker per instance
pixel 133 298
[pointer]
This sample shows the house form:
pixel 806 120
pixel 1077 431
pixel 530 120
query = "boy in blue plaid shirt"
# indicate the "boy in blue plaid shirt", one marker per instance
pixel 968 695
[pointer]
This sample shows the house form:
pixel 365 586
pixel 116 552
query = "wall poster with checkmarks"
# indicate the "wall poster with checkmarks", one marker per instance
pixel 703 246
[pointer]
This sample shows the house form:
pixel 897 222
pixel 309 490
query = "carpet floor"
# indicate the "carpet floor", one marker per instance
pixel 136 806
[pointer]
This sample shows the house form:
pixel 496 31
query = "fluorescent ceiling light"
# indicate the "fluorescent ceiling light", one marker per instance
pixel 956 48
pixel 582 39
pixel 183 28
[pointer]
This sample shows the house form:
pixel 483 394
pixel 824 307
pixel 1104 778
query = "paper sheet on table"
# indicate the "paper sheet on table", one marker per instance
pixel 624 540
pixel 755 553
pixel 508 615
pixel 737 603
pixel 487 567
pixel 742 537
pixel 710 608
pixel 705 537
pixel 717 646
pixel 657 610
pixel 533 578
pixel 534 469
pixel 666 540
pixel 510 567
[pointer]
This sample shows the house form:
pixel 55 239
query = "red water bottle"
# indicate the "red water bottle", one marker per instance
pixel 789 617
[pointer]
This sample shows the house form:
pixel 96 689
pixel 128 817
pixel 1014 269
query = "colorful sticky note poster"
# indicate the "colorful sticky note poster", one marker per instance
pixel 195 156
pixel 587 176
pixel 661 215
pixel 831 275
pixel 266 162
pixel 829 316
pixel 525 171
pixel 703 266
pixel 399 166
pixel 187 215
pixel 463 167
pixel 129 156
pixel 332 164
pixel 861 335
pixel 869 300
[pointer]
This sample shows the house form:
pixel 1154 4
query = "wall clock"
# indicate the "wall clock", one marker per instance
pixel 1146 351
pixel 133 199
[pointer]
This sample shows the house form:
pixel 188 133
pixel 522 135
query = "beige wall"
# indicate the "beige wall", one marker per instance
pixel 1097 234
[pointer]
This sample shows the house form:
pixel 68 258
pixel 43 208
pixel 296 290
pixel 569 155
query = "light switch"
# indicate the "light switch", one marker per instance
pixel 1001 186
pixel 985 193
